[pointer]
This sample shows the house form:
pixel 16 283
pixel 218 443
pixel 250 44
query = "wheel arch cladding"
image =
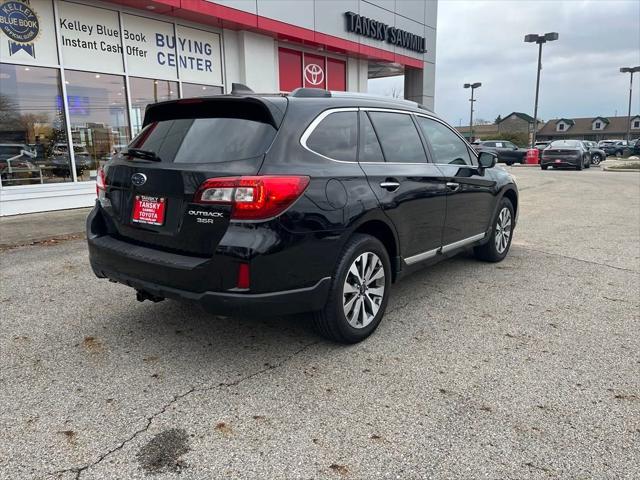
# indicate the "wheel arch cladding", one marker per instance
pixel 513 197
pixel 380 230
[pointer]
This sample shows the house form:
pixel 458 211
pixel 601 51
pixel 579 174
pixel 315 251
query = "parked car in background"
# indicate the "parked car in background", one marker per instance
pixel 566 153
pixel 506 151
pixel 617 149
pixel 542 145
pixel 311 202
pixel 60 161
pixel 597 154
pixel 634 147
pixel 17 165
pixel 603 143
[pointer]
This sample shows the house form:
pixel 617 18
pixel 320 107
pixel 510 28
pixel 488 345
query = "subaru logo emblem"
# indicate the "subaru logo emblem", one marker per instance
pixel 138 179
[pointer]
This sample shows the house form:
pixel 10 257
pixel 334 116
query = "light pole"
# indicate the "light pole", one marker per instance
pixel 631 71
pixel 472 86
pixel 539 39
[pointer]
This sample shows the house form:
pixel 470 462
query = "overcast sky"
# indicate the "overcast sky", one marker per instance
pixel 482 41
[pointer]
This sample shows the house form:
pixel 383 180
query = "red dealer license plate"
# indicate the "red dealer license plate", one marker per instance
pixel 149 210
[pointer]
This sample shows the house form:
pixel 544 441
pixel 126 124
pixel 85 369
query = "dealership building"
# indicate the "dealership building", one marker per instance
pixel 76 76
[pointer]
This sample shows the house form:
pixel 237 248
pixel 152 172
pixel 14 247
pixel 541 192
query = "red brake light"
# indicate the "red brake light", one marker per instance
pixel 252 198
pixel 101 182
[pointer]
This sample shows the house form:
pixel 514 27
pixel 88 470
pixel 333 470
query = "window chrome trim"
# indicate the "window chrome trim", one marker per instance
pixel 463 242
pixel 444 249
pixel 316 121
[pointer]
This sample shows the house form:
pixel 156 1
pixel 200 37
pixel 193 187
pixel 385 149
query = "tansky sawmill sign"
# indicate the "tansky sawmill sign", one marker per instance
pixel 381 31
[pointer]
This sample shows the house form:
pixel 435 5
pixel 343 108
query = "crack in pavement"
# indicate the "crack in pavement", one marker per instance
pixel 79 470
pixel 525 247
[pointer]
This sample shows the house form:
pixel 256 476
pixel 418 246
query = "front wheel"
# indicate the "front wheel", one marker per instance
pixel 359 292
pixel 501 234
pixel 619 154
pixel 544 167
pixel 596 159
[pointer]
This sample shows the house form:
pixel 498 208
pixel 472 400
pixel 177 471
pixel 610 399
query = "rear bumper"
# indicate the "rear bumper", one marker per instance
pixel 203 280
pixel 564 162
pixel 226 303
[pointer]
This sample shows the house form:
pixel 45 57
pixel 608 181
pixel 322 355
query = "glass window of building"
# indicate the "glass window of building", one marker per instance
pixel 195 90
pixel 144 91
pixel 98 117
pixel 33 139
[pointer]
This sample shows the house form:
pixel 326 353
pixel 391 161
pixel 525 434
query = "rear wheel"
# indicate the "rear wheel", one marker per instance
pixel 544 167
pixel 359 292
pixel 500 240
pixel 619 153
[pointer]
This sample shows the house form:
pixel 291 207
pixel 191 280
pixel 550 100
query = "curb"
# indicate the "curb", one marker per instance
pixel 621 170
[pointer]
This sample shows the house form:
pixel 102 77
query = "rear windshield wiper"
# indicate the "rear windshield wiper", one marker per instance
pixel 143 154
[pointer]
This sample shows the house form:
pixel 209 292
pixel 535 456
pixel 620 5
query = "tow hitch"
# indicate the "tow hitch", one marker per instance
pixel 141 296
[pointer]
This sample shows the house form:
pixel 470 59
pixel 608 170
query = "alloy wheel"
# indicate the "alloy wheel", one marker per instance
pixel 503 230
pixel 363 290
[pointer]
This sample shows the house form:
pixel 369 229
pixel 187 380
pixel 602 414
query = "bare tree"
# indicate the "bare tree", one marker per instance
pixel 395 92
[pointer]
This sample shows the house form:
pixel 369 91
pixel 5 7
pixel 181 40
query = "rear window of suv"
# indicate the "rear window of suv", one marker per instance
pixel 205 140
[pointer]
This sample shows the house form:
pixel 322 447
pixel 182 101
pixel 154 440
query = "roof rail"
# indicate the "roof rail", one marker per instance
pixel 321 93
pixel 310 93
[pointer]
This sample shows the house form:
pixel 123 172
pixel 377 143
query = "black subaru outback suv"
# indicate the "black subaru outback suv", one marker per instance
pixel 311 202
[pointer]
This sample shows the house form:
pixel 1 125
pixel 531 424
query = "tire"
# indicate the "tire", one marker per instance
pixel 580 164
pixel 596 159
pixel 509 162
pixel 490 251
pixel 588 165
pixel 544 167
pixel 619 154
pixel 332 322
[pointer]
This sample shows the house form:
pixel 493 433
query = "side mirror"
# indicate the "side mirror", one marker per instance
pixel 487 159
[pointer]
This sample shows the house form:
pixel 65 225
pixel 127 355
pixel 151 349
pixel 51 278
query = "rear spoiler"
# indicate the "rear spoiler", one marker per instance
pixel 263 109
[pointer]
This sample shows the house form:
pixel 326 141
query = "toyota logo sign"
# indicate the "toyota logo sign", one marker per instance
pixel 313 74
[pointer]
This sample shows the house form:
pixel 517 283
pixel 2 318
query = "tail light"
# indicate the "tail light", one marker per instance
pixel 101 183
pixel 252 198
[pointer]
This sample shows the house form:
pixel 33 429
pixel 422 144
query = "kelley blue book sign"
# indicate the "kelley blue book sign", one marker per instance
pixel 91 40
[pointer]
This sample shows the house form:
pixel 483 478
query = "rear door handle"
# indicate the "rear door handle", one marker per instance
pixel 390 184
pixel 453 186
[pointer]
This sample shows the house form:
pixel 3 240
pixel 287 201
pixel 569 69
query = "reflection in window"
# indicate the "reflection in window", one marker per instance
pixel 194 90
pixel 399 139
pixel 32 127
pixel 448 148
pixel 98 117
pixel 145 91
pixel 336 136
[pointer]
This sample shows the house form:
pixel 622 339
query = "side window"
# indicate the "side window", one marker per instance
pixel 447 146
pixel 399 139
pixel 499 145
pixel 370 151
pixel 336 136
pixel 486 144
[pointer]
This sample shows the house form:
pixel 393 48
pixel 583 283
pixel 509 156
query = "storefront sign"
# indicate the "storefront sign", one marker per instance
pixel 380 31
pixel 90 38
pixel 27 31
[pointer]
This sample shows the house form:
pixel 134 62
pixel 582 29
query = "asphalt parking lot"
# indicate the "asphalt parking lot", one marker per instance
pixel 525 369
